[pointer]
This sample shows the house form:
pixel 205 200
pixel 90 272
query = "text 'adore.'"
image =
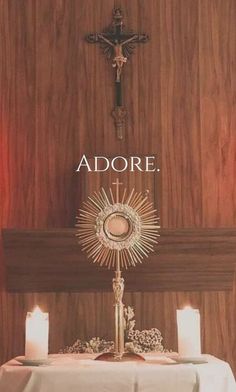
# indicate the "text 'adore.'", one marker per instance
pixel 118 164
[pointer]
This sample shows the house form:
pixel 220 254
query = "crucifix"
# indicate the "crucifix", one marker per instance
pixel 118 45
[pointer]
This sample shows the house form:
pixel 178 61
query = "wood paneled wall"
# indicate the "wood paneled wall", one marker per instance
pixel 51 260
pixel 56 92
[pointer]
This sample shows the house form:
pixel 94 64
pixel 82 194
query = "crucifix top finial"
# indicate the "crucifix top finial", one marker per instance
pixel 117 16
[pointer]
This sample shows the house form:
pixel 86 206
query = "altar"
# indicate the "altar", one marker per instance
pixel 73 373
pixel 117 184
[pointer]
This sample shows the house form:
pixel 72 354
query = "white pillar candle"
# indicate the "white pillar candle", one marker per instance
pixel 189 332
pixel 36 335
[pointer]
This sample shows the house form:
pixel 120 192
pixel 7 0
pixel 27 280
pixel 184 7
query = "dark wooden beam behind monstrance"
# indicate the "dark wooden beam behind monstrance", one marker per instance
pixel 186 259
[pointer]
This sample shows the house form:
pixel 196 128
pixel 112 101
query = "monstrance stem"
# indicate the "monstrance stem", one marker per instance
pixel 118 288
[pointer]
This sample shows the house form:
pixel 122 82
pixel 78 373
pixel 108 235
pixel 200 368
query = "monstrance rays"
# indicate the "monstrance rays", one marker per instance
pixel 124 223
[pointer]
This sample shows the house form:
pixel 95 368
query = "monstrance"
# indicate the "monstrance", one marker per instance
pixel 118 231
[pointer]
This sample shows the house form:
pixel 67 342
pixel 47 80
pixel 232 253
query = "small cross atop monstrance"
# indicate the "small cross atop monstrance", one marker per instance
pixel 118 230
pixel 118 45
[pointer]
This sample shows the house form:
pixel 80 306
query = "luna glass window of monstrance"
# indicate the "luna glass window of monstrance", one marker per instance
pixel 118 231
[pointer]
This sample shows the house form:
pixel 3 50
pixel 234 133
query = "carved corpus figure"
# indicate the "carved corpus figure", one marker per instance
pixel 119 59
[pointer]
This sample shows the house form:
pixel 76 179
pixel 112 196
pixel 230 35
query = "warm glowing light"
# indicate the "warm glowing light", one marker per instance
pixel 189 332
pixel 37 312
pixel 36 334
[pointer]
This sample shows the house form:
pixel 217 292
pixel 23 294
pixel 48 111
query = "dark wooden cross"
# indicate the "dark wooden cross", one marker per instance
pixel 118 45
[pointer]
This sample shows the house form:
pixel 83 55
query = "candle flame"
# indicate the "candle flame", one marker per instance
pixel 37 313
pixel 37 309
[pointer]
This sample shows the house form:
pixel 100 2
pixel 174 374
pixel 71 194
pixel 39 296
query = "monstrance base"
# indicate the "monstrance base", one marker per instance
pixel 126 357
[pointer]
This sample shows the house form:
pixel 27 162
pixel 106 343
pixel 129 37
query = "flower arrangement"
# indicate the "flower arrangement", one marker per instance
pixel 94 345
pixel 136 341
pixel 144 341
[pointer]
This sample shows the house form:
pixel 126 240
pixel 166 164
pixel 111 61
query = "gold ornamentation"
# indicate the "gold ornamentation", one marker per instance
pixel 106 227
pixel 118 231
pixel 118 288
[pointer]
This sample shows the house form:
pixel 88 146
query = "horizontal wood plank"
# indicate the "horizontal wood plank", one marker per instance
pixel 185 259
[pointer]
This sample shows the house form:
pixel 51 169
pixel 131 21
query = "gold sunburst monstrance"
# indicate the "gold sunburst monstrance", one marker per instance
pixel 117 231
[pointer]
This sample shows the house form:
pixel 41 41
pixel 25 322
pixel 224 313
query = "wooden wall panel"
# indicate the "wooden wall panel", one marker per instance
pixel 180 121
pixel 17 108
pixel 57 142
pixel 142 81
pixel 56 93
pixel 217 41
pixel 184 260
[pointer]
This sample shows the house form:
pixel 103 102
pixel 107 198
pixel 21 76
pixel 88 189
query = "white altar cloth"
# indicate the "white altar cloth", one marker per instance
pixel 79 373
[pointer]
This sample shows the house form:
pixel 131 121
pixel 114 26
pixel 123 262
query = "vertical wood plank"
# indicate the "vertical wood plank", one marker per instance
pixel 17 109
pixel 56 111
pixel 217 45
pixel 180 123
